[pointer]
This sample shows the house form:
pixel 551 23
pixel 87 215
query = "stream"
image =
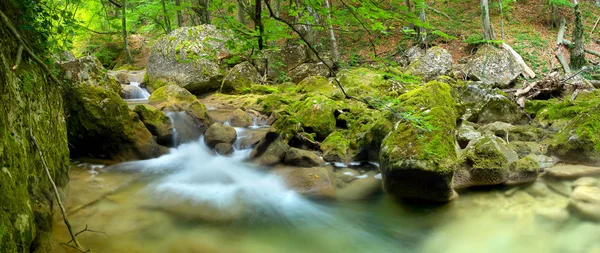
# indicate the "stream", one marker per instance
pixel 192 200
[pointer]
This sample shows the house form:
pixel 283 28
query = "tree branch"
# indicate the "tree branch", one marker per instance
pixel 118 5
pixel 19 54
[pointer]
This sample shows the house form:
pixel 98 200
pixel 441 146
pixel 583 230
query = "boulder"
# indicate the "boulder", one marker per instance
pixel 269 151
pixel 572 171
pixel 336 148
pixel 240 118
pixel 435 62
pixel 493 66
pixel 488 165
pixel 421 164
pixel 224 148
pixel 240 77
pixel 585 201
pixel 188 57
pixel 316 85
pixel 317 114
pixel 315 182
pixel 252 140
pixel 305 70
pixel 466 133
pixel 579 141
pixel 514 133
pixel 586 181
pixel 172 98
pixel 281 62
pixel 219 133
pixel 87 71
pixel 101 125
pixel 157 123
pixel 128 76
pixel 524 170
pixel 526 148
pixel 302 158
pixel 498 108
pixel 128 91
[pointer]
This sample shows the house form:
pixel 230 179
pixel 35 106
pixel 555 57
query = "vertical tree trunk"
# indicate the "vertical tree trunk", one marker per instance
pixel 421 32
pixel 124 32
pixel 204 13
pixel 241 15
pixel 488 32
pixel 553 18
pixel 166 17
pixel 179 16
pixel 408 5
pixel 258 23
pixel 501 20
pixel 578 50
pixel 335 54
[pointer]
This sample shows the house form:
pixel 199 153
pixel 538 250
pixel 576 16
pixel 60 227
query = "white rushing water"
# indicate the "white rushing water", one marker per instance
pixel 138 93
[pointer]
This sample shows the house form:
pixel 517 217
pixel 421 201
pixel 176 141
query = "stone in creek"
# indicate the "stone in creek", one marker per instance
pixel 240 118
pixel 219 133
pixel 361 187
pixel 224 149
pixel 252 140
pixel 586 181
pixel 302 158
pixel 316 182
pixel 585 201
pixel 572 171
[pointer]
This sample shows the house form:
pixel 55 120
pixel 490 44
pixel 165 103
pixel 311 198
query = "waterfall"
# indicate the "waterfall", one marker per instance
pixel 186 128
pixel 137 93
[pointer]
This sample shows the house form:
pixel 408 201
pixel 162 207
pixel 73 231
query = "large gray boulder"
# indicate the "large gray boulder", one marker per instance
pixel 279 63
pixel 305 70
pixel 239 77
pixel 493 66
pixel 87 71
pixel 435 62
pixel 497 108
pixel 188 57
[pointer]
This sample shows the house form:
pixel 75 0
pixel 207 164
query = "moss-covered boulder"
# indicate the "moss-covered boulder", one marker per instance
pixel 302 158
pixel 487 164
pixel 270 150
pixel 219 133
pixel 524 170
pixel 157 123
pixel 101 125
pixel 172 98
pixel 498 108
pixel 188 57
pixel 579 141
pixel 514 132
pixel 305 70
pixel 435 62
pixel 240 77
pixel 493 66
pixel 418 158
pixel 313 114
pixel 317 84
pixel 87 71
pixel 240 118
pixel 336 148
pixel 466 133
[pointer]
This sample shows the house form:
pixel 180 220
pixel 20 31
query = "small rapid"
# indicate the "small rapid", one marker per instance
pixel 137 93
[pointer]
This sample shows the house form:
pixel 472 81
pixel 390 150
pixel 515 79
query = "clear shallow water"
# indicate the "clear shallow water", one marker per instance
pixel 193 201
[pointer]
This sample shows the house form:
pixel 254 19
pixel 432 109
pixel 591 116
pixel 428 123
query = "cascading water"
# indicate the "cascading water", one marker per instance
pixel 137 93
pixel 186 128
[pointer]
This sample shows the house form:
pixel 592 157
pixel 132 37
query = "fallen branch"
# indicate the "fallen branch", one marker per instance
pixel 589 51
pixel 559 40
pixel 22 43
pixel 595 25
pixel 439 12
pixel 528 72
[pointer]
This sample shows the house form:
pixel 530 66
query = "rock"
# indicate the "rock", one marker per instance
pixel 360 188
pixel 544 161
pixel 128 76
pixel 219 133
pixel 172 98
pixel 316 182
pixel 435 62
pixel 421 164
pixel 538 189
pixel 240 77
pixel 585 201
pixel 335 148
pixel 552 214
pixel 157 123
pixel 498 108
pixel 467 133
pixel 280 63
pixel 345 176
pixel 101 125
pixel 250 142
pixel 488 164
pixel 302 158
pixel 410 55
pixel 558 186
pixel 572 171
pixel 87 71
pixel 305 70
pixel 128 91
pixel 224 148
pixel 579 141
pixel 240 118
pixel 527 148
pixel 314 114
pixel 316 84
pixel 524 170
pixel 188 57
pixel 269 151
pixel 494 67
pixel 586 181
pixel 514 133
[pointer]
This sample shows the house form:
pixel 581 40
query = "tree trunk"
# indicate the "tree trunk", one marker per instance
pixel 124 32
pixel 578 50
pixel 203 12
pixel 258 23
pixel 179 16
pixel 335 54
pixel 421 32
pixel 553 18
pixel 241 15
pixel 488 32
pixel 501 20
pixel 166 17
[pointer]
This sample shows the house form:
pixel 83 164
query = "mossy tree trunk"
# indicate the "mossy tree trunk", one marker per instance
pixel 124 32
pixel 488 31
pixel 578 50
pixel 241 13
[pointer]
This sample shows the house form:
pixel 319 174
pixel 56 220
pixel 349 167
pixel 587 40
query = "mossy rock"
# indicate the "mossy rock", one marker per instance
pixel 579 141
pixel 515 133
pixel 435 62
pixel 239 78
pixel 498 108
pixel 487 163
pixel 173 98
pixel 312 114
pixel 171 93
pixel 524 170
pixel 548 112
pixel 361 82
pixel 87 71
pixel 157 123
pixel 317 85
pixel 418 158
pixel 336 147
pixel 101 125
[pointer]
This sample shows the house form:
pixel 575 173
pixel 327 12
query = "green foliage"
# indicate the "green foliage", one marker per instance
pixel 477 39
pixel 565 3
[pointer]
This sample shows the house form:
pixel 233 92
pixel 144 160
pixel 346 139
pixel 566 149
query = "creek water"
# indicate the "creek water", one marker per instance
pixel 192 200
pixel 138 92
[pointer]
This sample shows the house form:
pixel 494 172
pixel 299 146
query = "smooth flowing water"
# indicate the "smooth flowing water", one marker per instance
pixel 138 93
pixel 192 200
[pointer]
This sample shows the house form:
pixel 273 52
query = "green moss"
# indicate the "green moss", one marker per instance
pixel 527 164
pixel 316 84
pixel 336 147
pixel 274 102
pixel 170 93
pixel 152 118
pixel 317 115
pixel 485 154
pixel 579 141
pixel 554 109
